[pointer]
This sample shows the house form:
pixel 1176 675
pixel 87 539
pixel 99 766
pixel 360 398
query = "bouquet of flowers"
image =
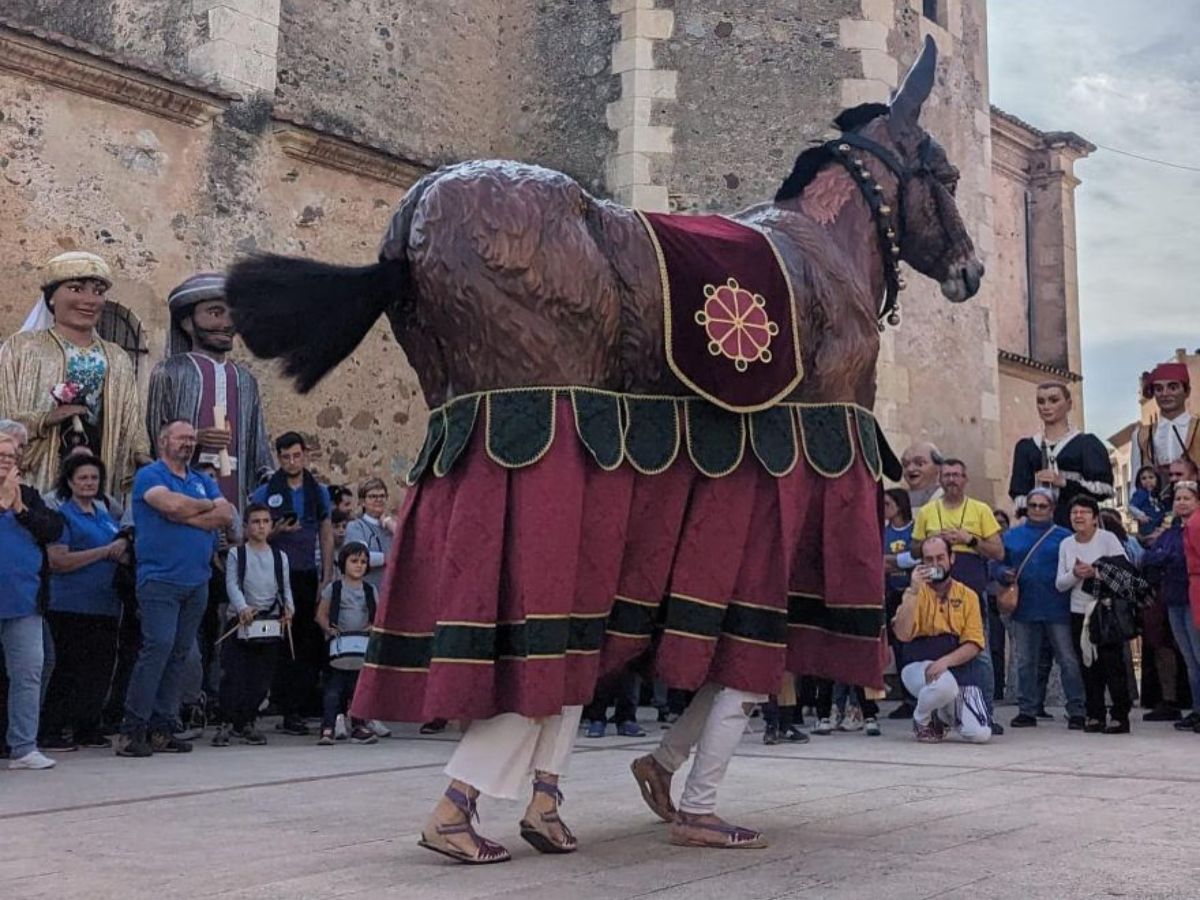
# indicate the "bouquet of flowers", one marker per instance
pixel 71 393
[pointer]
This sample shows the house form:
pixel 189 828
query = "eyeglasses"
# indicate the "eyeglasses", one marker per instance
pixel 9 457
pixel 376 497
pixel 1037 506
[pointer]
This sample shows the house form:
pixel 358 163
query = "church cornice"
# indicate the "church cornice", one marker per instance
pixel 49 58
pixel 311 143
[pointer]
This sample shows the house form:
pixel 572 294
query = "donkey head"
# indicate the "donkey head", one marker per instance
pixel 933 239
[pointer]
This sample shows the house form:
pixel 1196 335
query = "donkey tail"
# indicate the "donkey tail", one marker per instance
pixel 310 314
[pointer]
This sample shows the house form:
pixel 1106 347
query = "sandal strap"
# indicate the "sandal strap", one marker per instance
pixel 465 804
pixel 736 832
pixel 551 788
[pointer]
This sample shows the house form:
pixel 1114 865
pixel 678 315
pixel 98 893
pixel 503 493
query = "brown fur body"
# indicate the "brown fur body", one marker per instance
pixel 543 284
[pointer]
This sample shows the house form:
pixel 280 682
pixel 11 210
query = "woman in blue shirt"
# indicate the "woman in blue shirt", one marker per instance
pixel 1043 614
pixel 85 611
pixel 26 526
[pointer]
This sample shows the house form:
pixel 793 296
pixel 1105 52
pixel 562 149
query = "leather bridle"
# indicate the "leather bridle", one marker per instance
pixel 889 222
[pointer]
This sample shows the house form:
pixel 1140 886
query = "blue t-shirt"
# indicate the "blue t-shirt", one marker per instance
pixel 300 545
pixel 88 589
pixel 167 551
pixel 896 541
pixel 1147 503
pixel 1040 599
pixel 20 568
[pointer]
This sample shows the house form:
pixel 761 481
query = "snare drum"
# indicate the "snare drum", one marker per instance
pixel 261 631
pixel 347 650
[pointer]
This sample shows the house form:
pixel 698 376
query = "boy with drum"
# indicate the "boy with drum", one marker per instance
pixel 345 613
pixel 260 596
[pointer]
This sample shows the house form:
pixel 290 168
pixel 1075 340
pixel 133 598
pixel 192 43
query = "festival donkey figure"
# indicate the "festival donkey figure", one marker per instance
pixel 530 562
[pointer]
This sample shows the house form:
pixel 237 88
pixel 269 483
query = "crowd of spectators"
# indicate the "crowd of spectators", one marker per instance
pixel 163 586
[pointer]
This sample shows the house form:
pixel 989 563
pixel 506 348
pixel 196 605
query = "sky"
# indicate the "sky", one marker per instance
pixel 1125 75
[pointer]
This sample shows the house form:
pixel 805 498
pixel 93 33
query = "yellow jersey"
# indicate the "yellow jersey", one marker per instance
pixel 958 614
pixel 973 516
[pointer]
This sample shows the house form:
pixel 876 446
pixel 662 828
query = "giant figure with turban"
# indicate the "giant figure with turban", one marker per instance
pixel 198 382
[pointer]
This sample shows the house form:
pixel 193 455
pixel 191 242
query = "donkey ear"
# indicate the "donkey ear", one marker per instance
pixel 912 93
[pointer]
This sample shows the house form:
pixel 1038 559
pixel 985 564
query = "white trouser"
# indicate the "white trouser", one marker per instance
pixel 713 723
pixel 961 707
pixel 498 756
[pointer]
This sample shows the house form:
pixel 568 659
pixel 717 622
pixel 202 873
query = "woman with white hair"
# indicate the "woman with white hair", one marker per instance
pixel 66 385
pixel 26 526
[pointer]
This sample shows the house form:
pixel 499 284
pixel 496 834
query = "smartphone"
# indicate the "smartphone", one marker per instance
pixel 935 573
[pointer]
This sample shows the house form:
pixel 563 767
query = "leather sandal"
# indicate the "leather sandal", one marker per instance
pixel 732 837
pixel 486 852
pixel 655 784
pixel 540 840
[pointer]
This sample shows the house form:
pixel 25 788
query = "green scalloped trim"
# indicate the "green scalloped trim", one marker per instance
pixel 712 444
pixel 598 424
pixel 460 423
pixel 825 431
pixel 773 438
pixel 866 441
pixel 651 433
pixel 520 426
pixel 645 431
pixel 433 436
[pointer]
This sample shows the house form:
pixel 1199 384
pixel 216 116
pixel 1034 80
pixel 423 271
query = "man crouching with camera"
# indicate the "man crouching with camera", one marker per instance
pixel 940 623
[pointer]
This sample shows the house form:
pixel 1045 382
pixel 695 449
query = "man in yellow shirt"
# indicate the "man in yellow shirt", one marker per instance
pixel 940 621
pixel 974 537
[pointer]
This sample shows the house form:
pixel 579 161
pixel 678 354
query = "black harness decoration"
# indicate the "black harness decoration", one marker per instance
pixel 888 221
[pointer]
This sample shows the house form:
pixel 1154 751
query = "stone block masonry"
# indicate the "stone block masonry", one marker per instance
pixel 241 43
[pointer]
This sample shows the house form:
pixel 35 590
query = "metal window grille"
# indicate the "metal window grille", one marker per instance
pixel 123 328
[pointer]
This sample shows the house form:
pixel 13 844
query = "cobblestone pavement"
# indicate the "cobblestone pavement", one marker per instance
pixel 1038 813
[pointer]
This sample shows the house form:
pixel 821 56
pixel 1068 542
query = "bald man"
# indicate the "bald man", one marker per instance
pixel 922 463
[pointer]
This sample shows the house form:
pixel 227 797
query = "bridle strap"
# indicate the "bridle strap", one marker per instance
pixel 887 220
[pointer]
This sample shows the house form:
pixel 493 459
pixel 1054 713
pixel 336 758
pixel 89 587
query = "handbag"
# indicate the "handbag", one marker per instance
pixel 1010 595
pixel 1113 622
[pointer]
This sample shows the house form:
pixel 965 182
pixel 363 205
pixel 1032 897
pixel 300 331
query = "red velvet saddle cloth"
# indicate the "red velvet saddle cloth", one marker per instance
pixel 540 552
pixel 729 322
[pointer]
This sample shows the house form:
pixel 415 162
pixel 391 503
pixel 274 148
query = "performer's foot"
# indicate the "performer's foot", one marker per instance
pixel 541 826
pixel 654 782
pixel 692 830
pixel 449 831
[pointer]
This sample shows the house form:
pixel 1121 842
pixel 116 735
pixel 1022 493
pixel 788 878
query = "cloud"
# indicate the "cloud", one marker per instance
pixel 1128 80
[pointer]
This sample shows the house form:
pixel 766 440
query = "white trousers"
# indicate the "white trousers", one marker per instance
pixel 498 756
pixel 963 708
pixel 713 723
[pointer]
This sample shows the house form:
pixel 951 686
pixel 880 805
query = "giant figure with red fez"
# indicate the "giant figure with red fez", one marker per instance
pixel 651 444
pixel 1173 433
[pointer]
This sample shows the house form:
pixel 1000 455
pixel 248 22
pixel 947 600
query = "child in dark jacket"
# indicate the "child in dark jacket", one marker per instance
pixel 347 607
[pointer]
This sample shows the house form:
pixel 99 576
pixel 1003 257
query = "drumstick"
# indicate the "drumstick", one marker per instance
pixel 291 644
pixel 220 420
pixel 236 626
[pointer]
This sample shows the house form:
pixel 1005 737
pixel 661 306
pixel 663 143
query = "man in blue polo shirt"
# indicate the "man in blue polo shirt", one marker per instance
pixel 300 516
pixel 175 512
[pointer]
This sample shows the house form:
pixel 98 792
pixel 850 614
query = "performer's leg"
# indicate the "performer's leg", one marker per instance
pixel 653 772
pixel 696 823
pixel 541 825
pixel 494 757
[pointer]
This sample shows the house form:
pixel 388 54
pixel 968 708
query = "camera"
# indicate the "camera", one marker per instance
pixel 936 573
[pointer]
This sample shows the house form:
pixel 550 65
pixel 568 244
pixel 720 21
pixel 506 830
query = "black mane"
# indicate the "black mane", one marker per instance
pixel 813 159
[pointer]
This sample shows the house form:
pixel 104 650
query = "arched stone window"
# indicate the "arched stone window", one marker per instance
pixel 123 328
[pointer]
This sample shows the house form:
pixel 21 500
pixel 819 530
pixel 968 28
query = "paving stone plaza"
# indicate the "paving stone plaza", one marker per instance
pixel 1041 813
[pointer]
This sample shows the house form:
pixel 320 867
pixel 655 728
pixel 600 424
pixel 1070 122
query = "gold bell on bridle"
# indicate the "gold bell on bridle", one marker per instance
pixel 894 317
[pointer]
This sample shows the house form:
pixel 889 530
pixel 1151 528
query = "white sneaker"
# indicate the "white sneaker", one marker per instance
pixel 852 721
pixel 379 729
pixel 823 726
pixel 32 760
pixel 340 732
